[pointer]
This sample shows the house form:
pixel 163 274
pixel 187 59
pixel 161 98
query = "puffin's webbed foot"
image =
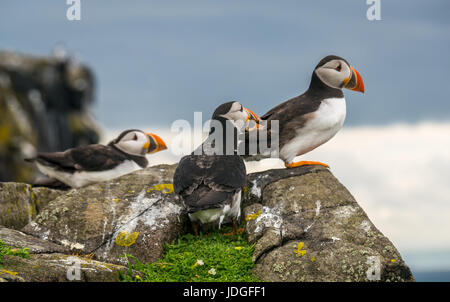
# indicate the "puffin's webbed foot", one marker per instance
pixel 235 230
pixel 195 228
pixel 305 163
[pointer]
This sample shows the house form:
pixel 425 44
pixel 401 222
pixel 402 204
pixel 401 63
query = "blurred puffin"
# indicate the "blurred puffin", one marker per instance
pixel 85 165
pixel 210 181
pixel 311 119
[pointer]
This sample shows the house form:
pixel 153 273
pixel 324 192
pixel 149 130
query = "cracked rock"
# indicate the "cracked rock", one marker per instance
pixel 134 214
pixel 307 227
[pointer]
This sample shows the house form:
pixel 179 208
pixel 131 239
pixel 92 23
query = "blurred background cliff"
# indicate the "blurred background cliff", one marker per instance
pixel 44 106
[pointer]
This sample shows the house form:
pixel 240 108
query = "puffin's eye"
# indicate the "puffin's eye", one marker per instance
pixel 135 137
pixel 339 67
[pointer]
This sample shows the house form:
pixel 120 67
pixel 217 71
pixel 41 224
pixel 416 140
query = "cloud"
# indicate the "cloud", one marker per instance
pixel 399 174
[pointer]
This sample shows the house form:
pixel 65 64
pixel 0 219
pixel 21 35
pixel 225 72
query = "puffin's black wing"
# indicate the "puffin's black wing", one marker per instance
pixel 292 115
pixel 86 158
pixel 50 182
pixel 207 182
pixel 293 108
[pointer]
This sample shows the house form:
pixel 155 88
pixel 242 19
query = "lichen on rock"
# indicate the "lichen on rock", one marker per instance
pixel 134 214
pixel 20 203
pixel 304 224
pixel 315 230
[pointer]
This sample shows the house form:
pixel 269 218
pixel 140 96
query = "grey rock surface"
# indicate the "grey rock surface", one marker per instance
pixel 304 223
pixel 134 214
pixel 17 239
pixel 57 267
pixel 306 226
pixel 20 203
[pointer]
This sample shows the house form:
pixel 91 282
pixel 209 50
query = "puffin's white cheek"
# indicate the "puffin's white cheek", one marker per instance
pixel 233 116
pixel 131 147
pixel 331 77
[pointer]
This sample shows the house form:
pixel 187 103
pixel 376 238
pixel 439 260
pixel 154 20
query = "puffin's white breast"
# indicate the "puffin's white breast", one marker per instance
pixel 223 214
pixel 82 178
pixel 324 123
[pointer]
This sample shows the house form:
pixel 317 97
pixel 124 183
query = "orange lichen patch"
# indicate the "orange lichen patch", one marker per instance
pixel 8 272
pixel 163 188
pixel 253 216
pixel 94 213
pixel 300 251
pixel 126 239
pixel 305 163
pixel 87 257
pixel 5 134
pixel 393 260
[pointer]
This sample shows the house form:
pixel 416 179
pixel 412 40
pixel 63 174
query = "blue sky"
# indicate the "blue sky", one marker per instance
pixel 161 60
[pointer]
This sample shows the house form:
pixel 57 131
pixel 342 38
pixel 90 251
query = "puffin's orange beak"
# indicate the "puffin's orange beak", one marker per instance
pixel 156 143
pixel 354 82
pixel 252 117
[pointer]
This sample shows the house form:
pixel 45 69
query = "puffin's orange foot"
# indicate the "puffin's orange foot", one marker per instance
pixel 305 163
pixel 230 233
pixel 235 232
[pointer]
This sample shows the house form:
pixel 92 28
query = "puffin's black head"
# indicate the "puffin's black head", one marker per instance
pixel 235 112
pixel 137 142
pixel 336 72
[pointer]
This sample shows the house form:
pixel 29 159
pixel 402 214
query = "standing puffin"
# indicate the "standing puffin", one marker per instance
pixel 85 165
pixel 311 119
pixel 210 182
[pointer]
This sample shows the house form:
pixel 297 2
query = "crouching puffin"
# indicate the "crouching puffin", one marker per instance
pixel 311 119
pixel 85 165
pixel 210 182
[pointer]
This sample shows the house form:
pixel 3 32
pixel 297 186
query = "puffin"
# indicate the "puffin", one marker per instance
pixel 313 118
pixel 81 166
pixel 210 180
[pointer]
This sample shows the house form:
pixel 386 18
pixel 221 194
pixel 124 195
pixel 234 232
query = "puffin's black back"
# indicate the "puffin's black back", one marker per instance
pixel 210 181
pixel 207 182
pixel 87 158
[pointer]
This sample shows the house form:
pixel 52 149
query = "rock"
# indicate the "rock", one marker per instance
pixel 20 203
pixel 44 106
pixel 51 262
pixel 306 226
pixel 17 239
pixel 134 214
pixel 58 268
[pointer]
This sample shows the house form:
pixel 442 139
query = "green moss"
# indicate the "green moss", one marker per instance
pixel 211 257
pixel 7 250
